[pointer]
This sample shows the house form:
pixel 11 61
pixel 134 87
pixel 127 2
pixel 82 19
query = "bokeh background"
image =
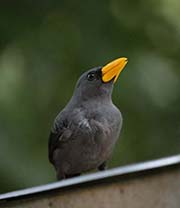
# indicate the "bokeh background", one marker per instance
pixel 45 46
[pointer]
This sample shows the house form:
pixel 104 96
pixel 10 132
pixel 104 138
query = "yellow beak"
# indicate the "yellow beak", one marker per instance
pixel 113 69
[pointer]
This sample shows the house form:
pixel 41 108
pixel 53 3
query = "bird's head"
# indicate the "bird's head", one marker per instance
pixel 98 82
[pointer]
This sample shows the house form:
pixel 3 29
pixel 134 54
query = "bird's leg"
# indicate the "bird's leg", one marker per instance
pixel 103 166
pixel 72 175
pixel 60 176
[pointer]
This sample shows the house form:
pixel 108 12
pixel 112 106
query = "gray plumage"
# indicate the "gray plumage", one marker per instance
pixel 85 131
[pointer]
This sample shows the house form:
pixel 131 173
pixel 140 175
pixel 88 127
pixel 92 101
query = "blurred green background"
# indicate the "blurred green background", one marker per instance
pixel 45 46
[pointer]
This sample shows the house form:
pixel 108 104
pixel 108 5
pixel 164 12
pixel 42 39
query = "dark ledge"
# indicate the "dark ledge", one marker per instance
pixel 132 170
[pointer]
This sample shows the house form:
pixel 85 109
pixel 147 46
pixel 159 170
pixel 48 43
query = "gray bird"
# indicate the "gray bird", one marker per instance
pixel 84 133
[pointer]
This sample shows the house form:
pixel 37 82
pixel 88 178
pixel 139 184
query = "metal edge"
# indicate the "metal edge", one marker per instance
pixel 132 168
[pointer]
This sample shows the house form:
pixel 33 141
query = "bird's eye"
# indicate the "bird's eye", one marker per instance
pixel 91 76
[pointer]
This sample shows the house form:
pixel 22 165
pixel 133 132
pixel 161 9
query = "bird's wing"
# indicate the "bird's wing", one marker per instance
pixel 64 128
pixel 58 134
pixel 52 144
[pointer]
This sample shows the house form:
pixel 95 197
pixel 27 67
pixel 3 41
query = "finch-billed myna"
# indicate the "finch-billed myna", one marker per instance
pixel 85 132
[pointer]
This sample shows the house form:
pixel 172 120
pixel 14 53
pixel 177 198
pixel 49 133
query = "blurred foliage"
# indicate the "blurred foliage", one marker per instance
pixel 45 46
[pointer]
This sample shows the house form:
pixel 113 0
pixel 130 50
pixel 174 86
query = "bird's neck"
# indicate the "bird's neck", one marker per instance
pixel 78 100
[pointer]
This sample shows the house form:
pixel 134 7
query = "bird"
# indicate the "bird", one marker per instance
pixel 84 133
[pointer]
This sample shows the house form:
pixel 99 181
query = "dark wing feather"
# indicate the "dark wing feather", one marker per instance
pixel 56 133
pixel 52 145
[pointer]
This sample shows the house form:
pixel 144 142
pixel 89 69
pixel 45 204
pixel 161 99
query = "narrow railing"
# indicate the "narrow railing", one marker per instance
pixel 153 183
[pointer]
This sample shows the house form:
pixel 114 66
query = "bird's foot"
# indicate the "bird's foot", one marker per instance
pixel 103 166
pixel 65 176
pixel 72 175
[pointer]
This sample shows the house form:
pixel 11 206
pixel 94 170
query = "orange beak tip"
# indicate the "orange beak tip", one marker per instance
pixel 113 69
